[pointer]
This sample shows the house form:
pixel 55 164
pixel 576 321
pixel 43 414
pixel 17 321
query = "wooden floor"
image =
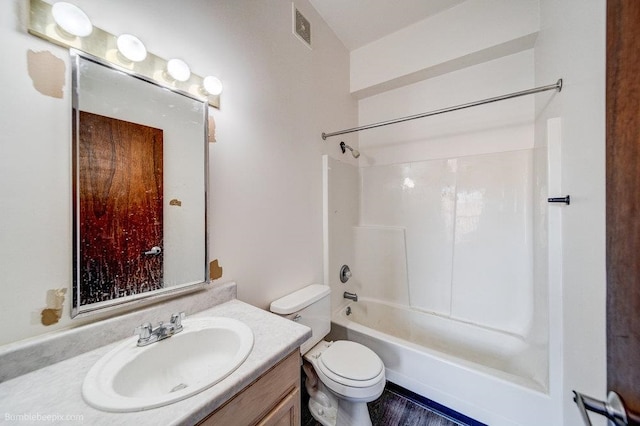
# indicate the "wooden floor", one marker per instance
pixel 397 407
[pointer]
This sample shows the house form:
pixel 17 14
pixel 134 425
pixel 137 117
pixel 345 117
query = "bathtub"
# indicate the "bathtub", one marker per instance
pixel 494 377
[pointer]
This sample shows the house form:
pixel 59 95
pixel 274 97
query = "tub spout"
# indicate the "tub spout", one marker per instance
pixel 350 296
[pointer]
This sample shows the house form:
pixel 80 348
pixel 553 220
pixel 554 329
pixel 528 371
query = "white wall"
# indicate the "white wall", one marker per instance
pixel 572 45
pixel 266 167
pixel 472 32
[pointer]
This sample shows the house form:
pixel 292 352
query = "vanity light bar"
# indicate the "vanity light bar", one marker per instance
pixel 68 26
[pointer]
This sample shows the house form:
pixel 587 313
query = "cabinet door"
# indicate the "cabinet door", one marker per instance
pixel 257 402
pixel 287 413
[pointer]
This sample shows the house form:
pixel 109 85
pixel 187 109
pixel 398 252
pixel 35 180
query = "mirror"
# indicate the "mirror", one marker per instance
pixel 139 188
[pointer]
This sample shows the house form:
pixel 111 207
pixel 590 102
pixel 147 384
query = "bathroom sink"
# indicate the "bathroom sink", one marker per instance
pixel 132 378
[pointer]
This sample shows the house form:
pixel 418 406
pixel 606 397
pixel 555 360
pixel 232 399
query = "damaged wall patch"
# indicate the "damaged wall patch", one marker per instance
pixel 55 302
pixel 215 270
pixel 47 73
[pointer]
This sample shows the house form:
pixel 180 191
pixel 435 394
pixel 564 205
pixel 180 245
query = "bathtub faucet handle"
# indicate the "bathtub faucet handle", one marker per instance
pixel 345 274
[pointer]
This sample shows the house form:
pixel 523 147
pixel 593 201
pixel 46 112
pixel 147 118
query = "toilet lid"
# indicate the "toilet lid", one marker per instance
pixel 351 360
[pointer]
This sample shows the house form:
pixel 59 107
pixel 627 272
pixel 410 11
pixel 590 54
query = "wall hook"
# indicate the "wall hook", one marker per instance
pixel 566 200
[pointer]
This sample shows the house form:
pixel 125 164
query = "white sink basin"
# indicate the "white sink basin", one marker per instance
pixel 132 378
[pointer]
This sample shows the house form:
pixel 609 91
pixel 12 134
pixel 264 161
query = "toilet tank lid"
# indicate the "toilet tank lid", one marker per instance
pixel 299 299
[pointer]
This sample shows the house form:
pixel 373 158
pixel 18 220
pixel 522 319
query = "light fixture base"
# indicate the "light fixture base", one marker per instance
pixel 101 45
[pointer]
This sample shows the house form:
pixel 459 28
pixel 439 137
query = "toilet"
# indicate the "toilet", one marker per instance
pixel 342 376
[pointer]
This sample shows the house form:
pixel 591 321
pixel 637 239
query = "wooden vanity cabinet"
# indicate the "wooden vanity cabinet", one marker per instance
pixel 272 400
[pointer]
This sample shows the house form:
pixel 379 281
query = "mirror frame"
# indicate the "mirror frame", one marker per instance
pixel 80 311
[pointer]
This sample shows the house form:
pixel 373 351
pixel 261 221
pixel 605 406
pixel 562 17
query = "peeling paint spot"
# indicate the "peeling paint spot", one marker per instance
pixel 212 127
pixel 51 316
pixel 175 202
pixel 215 270
pixel 47 73
pixel 55 302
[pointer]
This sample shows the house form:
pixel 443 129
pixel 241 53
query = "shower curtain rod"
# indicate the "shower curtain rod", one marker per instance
pixel 557 86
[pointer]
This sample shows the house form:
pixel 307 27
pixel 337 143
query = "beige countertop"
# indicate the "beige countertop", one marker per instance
pixel 55 390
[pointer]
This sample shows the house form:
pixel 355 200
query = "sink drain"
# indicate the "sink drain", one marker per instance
pixel 179 387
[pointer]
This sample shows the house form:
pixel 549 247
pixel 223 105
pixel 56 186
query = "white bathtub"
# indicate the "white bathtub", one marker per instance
pixel 494 377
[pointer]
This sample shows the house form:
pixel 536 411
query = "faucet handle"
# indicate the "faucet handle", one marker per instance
pixel 144 331
pixel 176 319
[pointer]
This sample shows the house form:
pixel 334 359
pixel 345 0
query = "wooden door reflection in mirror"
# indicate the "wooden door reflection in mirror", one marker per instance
pixel 120 200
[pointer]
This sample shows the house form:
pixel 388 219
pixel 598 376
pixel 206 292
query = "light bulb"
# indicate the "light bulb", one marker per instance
pixel 71 19
pixel 212 85
pixel 131 48
pixel 178 69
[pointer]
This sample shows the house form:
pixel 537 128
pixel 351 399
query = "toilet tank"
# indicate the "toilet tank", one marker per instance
pixel 310 306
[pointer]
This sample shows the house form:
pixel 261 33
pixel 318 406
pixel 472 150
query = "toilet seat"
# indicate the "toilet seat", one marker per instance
pixel 351 364
pixel 342 356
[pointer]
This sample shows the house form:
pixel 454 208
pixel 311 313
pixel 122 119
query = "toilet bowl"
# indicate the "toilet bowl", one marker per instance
pixel 342 376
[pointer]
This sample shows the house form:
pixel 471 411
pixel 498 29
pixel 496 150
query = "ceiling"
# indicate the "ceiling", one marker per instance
pixel 359 22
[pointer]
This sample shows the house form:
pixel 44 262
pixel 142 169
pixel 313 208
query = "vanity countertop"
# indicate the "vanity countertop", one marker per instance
pixel 56 390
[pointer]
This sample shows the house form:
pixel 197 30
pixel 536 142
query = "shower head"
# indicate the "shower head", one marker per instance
pixel 354 152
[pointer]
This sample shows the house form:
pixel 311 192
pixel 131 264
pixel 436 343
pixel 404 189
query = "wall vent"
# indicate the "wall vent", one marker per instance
pixel 301 27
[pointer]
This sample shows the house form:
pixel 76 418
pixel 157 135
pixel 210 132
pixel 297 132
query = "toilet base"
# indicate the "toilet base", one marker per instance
pixel 353 414
pixel 324 415
pixel 330 410
pixel 348 414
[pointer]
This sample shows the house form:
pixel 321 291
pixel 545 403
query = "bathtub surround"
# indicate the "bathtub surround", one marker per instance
pixel 444 267
pixel 468 237
pixel 341 198
pixel 453 239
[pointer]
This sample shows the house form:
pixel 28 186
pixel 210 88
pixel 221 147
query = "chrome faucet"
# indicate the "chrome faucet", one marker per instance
pixel 149 335
pixel 350 296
